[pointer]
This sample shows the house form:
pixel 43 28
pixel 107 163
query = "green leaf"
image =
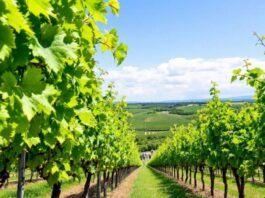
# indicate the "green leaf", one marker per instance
pixel 22 125
pixel 16 19
pixel 73 102
pixel 235 140
pixel 109 40
pixel 120 53
pixel 40 7
pixel 50 140
pixel 53 178
pixel 7 41
pixel 256 72
pixel 3 113
pixel 35 126
pixel 48 33
pixel 37 160
pixel 63 176
pixel 97 8
pixel 22 52
pixel 67 166
pixel 28 107
pixel 237 71
pixel 32 141
pixel 32 81
pixel 9 82
pixel 50 91
pixel 114 6
pixel 7 133
pixel 234 78
pixel 57 53
pixel 2 8
pixel 42 104
pixel 54 168
pixel 86 117
pixel 63 129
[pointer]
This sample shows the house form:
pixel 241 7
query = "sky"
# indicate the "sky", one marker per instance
pixel 177 47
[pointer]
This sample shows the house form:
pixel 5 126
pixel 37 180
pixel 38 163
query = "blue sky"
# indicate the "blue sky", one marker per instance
pixel 159 31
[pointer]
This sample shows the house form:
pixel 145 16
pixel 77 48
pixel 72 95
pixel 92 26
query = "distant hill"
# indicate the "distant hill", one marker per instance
pixel 202 100
pixel 234 99
pixel 240 98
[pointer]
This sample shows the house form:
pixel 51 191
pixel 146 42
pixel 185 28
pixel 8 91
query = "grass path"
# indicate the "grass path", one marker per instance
pixel 150 184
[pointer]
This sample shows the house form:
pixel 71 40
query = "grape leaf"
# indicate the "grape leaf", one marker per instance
pixel 28 107
pixel 50 140
pixel 256 72
pixel 3 113
pixel 35 126
pixel 16 19
pixel 86 117
pixel 120 53
pixel 42 104
pixel 40 7
pixel 7 41
pixel 9 82
pixel 109 40
pixel 115 6
pixel 32 81
pixel 97 8
pixel 56 54
pixel 32 141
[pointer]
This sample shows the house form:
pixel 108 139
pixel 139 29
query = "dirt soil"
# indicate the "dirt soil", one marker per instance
pixel 123 190
pixel 73 192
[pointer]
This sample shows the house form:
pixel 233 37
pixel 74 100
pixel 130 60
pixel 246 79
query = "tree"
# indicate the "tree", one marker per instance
pixel 219 119
pixel 243 156
pixel 255 77
pixel 51 98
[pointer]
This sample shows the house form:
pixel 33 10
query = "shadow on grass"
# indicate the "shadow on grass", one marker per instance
pixel 256 184
pixel 171 188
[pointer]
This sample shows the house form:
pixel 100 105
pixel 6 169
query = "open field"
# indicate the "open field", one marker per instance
pixel 159 117
pixel 158 121
pixel 154 185
pixel 152 121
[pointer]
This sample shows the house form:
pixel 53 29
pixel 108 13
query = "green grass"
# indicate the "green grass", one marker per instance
pixel 251 190
pixel 186 110
pixel 40 189
pixel 256 190
pixel 156 117
pixel 150 184
pixel 33 190
pixel 157 121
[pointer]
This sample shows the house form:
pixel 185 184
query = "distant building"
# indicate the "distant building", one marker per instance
pixel 147 155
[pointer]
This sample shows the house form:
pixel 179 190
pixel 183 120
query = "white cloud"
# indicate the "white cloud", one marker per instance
pixel 179 78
